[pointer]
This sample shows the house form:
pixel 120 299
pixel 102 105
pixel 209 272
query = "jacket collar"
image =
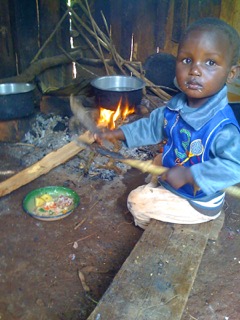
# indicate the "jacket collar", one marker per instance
pixel 198 117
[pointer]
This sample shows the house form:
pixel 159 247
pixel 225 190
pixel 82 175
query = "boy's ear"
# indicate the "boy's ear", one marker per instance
pixel 234 72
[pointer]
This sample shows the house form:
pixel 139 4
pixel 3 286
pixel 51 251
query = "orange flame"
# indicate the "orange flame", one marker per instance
pixel 109 118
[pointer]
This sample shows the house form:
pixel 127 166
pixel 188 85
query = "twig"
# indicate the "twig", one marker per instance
pixel 128 223
pixel 80 223
pixel 93 205
pixel 162 94
pixel 75 19
pixel 112 47
pixel 83 281
pixel 104 40
pixel 51 36
pixel 84 238
pixel 164 87
pixel 74 60
pixel 96 37
pixel 90 298
pixel 24 144
pixel 84 36
pixel 192 317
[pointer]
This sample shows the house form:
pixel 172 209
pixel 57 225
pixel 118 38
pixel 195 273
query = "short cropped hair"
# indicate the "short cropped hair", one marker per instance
pixel 218 25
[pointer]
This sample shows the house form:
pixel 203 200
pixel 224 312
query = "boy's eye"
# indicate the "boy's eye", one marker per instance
pixel 211 63
pixel 186 60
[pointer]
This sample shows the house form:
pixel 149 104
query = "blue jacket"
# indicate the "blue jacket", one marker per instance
pixel 219 164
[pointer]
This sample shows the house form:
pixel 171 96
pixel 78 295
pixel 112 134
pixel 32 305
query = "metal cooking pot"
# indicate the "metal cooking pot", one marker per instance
pixel 110 89
pixel 16 100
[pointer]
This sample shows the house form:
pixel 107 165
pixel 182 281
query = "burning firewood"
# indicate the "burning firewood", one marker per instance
pixel 82 114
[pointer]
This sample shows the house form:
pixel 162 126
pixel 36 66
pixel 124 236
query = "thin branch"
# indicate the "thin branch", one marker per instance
pixel 51 36
pixel 96 37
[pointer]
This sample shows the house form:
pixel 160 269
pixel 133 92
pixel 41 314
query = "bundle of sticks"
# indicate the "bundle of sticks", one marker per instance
pixel 103 48
pixel 105 44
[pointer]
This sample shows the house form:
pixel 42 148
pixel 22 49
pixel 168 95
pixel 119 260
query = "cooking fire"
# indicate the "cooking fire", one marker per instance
pixel 50 132
pixel 112 119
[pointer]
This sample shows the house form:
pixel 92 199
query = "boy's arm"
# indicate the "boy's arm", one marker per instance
pixel 223 169
pixel 142 132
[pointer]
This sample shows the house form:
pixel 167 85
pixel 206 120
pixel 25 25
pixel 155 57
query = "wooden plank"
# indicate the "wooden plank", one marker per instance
pixel 127 20
pixel 161 18
pixel 59 76
pixel 8 59
pixel 180 19
pixel 50 161
pixel 155 280
pixel 25 31
pixel 230 12
pixel 203 9
pixel 144 37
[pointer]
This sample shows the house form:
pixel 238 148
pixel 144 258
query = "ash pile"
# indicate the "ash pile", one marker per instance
pixel 50 132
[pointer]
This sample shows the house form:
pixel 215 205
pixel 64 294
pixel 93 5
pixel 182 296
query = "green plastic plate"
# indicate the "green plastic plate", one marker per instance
pixel 54 191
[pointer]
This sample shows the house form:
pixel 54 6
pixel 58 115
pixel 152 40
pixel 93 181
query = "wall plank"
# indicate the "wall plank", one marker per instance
pixel 50 13
pixel 7 65
pixel 203 8
pixel 230 12
pixel 25 31
pixel 156 25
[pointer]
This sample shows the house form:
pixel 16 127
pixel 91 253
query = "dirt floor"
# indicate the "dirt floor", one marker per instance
pixel 40 261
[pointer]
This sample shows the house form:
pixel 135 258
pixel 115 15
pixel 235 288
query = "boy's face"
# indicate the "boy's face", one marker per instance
pixel 203 65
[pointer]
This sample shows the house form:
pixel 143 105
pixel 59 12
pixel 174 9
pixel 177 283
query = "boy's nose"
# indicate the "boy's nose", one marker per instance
pixel 195 70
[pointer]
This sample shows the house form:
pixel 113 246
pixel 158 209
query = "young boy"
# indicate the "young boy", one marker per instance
pixel 203 135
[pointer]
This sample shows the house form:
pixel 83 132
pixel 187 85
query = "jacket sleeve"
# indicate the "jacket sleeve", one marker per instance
pixel 223 168
pixel 146 131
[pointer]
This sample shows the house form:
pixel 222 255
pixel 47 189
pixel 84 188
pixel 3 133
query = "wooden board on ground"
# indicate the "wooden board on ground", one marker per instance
pixel 43 166
pixel 155 280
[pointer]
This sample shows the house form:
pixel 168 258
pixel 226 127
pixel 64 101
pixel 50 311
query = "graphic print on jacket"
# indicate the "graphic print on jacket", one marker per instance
pixel 187 146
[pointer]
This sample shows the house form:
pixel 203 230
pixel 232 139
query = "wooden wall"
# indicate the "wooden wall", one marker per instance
pixel 8 63
pixel 155 25
pixel 28 25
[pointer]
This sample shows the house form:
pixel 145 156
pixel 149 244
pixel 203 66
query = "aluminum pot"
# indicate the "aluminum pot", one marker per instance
pixel 110 89
pixel 16 100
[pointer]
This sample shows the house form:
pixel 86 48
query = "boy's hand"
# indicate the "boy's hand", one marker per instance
pixel 178 176
pixel 110 135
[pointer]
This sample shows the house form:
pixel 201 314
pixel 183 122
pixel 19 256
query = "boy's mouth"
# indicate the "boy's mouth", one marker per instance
pixel 194 85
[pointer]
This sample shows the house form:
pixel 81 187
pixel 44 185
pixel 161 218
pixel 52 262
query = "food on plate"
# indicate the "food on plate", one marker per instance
pixel 46 197
pixel 47 205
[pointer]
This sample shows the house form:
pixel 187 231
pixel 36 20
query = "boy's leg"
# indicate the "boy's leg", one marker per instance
pixel 146 203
